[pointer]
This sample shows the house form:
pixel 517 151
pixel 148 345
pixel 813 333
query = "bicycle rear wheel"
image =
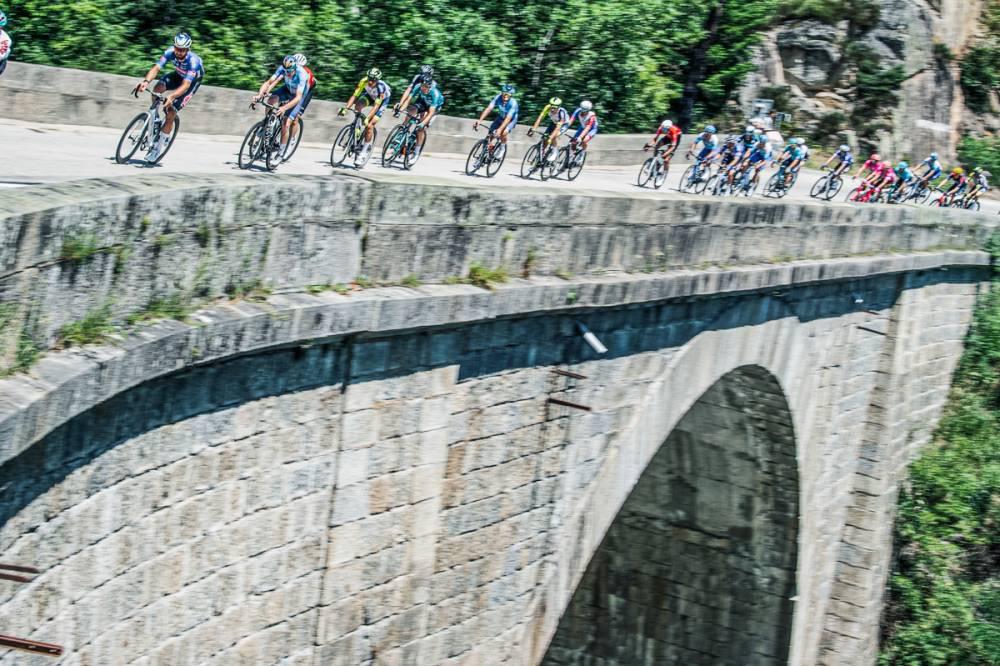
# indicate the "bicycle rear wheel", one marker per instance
pixel 272 144
pixel 496 161
pixel 293 144
pixel 560 165
pixel 833 188
pixel 133 138
pixel 660 173
pixel 170 141
pixel 476 157
pixel 365 150
pixel 576 162
pixel 342 145
pixel 250 148
pixel 771 186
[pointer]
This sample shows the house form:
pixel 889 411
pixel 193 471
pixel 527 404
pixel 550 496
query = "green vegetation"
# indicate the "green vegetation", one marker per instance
pixel 79 246
pixel 171 307
pixel 411 281
pixel 983 152
pixel 944 604
pixel 364 281
pixel 93 328
pixel 689 60
pixel 859 12
pixel 484 277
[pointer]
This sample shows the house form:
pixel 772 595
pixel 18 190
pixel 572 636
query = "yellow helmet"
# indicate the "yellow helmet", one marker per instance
pixel 958 171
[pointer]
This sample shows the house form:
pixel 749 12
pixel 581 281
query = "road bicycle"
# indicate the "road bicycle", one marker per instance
pixel 263 140
pixel 695 178
pixel 919 192
pixel 143 132
pixel 569 160
pixel 402 143
pixel 489 152
pixel 827 186
pixel 350 142
pixel 654 169
pixel 719 183
pixel 534 161
pixel 779 185
pixel 744 183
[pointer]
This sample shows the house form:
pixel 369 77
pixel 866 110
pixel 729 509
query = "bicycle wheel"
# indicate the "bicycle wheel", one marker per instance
pixel 170 141
pixel 133 138
pixel 772 185
pixel 660 173
pixel 646 172
pixel 972 205
pixel 250 148
pixel 342 145
pixel 530 162
pixel 496 161
pixel 833 188
pixel 476 157
pixel 687 182
pixel 575 165
pixel 393 144
pixel 272 144
pixel 712 185
pixel 293 144
pixel 923 196
pixel 413 150
pixel 702 183
pixel 364 151
pixel 820 187
pixel 560 162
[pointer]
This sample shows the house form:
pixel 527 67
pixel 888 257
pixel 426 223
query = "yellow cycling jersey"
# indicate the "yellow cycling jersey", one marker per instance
pixel 376 90
pixel 562 117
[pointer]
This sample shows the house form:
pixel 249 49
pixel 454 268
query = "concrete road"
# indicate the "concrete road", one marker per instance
pixel 44 153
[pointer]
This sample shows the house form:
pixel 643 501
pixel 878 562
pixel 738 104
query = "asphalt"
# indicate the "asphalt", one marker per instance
pixel 45 153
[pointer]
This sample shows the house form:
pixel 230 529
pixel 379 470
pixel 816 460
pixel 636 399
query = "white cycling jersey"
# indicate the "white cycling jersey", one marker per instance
pixel 5 43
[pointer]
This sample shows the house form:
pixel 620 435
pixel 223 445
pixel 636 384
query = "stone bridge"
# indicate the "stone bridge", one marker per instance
pixel 427 471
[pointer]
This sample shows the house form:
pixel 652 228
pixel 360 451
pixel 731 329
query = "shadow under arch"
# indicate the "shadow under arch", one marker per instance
pixel 699 565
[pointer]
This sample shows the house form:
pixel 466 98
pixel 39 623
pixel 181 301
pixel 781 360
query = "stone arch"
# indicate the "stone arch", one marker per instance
pixel 699 566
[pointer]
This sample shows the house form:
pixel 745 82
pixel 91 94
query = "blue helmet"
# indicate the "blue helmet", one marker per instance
pixel 3 19
pixel 507 89
pixel 933 156
pixel 182 40
pixel 904 165
pixel 710 129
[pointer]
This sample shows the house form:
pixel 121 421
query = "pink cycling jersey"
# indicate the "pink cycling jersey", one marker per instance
pixel 872 165
pixel 5 42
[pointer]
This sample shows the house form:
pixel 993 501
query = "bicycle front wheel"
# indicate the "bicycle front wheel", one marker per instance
pixel 576 163
pixel 530 162
pixel 820 187
pixel 293 142
pixel 476 157
pixel 250 149
pixel 393 144
pixel 413 150
pixel 687 180
pixel 495 161
pixel 342 146
pixel 646 172
pixel 133 138
pixel 170 140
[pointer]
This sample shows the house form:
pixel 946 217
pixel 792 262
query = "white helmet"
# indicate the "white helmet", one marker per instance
pixel 182 40
pixel 666 124
pixel 750 129
pixel 844 148
pixel 800 141
pixel 586 105
pixel 300 59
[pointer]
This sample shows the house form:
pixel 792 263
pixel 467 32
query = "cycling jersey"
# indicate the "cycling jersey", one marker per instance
pixel 295 78
pixel 730 153
pixel 708 145
pixel 759 154
pixel 5 44
pixel 432 99
pixel 905 175
pixel 374 90
pixel 508 109
pixel 933 167
pixel 791 154
pixel 843 158
pixel 888 176
pixel 312 78
pixel 189 67
pixel 982 182
pixel 557 115
pixel 872 165
pixel 673 134
pixel 748 141
pixel 588 123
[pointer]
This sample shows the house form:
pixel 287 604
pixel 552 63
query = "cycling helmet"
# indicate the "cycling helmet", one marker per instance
pixel 3 19
pixel 182 40
pixel 986 173
pixel 731 139
pixel 750 129
pixel 507 89
pixel 933 156
pixel 288 62
pixel 666 124
pixel 844 148
pixel 586 105
pixel 555 101
pixel 710 129
pixel 875 158
pixel 904 165
pixel 426 70
pixel 375 74
pixel 426 79
pixel 800 141
pixel 957 171
pixel 300 59
pixel 887 164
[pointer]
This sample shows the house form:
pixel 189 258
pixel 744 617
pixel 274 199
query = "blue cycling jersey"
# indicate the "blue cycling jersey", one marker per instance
pixel 508 109
pixel 730 153
pixel 296 79
pixel 759 154
pixel 793 153
pixel 434 99
pixel 189 67
pixel 844 157
pixel 748 141
pixel 933 167
pixel 904 175
pixel 712 142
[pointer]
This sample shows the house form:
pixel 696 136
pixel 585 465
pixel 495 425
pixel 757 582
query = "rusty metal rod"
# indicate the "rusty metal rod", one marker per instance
pixel 566 403
pixel 19 567
pixel 15 578
pixel 567 373
pixel 30 646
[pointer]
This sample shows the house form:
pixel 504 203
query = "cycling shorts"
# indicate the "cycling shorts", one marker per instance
pixel 585 132
pixel 285 95
pixel 365 100
pixel 419 107
pixel 307 98
pixel 705 152
pixel 173 81
pixel 664 142
pixel 495 125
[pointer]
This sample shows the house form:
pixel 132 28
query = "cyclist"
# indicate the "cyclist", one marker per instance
pixel 790 159
pixel 756 158
pixel 729 155
pixel 507 111
pixel 376 92
pixel 182 83
pixel 887 178
pixel 5 43
pixel 955 182
pixel 904 178
pixel 668 137
pixel 425 70
pixel 303 61
pixel 871 165
pixel 844 160
pixel 427 101
pixel 932 171
pixel 751 135
pixel 588 124
pixel 804 149
pixel 291 96
pixel 709 142
pixel 558 119
pixel 978 183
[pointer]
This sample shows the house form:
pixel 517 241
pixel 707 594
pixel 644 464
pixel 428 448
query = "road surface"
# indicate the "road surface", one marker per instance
pixel 51 153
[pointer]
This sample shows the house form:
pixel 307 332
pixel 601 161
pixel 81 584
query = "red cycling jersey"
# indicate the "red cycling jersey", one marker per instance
pixel 312 79
pixel 674 134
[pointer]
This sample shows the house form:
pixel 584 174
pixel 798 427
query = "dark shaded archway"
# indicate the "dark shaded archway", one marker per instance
pixel 699 565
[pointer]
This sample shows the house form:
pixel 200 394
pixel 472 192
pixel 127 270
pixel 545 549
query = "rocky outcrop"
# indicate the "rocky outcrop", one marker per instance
pixel 924 38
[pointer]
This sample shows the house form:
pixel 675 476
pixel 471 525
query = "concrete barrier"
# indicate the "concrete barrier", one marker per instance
pixel 77 97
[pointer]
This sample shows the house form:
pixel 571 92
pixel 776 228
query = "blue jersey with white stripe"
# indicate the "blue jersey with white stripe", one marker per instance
pixel 189 67
pixel 506 109
pixel 296 78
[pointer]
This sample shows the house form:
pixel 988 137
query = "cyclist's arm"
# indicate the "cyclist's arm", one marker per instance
pixel 150 75
pixel 296 98
pixel 267 86
pixel 827 163
pixel 177 92
pixel 486 112
pixel 354 95
pixel 405 98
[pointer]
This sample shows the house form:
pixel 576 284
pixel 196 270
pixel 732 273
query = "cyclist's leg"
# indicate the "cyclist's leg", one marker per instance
pixel 370 131
pixel 589 136
pixel 169 82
